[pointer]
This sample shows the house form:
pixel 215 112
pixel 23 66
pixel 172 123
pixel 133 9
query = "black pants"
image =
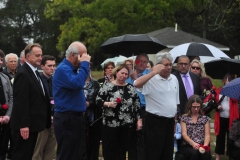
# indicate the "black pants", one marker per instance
pixel 68 129
pixel 220 139
pixel 159 137
pixel 23 149
pixel 5 133
pixel 193 154
pixel 117 141
pixel 140 136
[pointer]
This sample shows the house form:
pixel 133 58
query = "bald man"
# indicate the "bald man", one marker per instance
pixel 70 101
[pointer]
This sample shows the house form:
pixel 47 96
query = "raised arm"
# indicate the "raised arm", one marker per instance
pixel 143 79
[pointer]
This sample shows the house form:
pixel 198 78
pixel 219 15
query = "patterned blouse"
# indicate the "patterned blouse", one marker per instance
pixel 195 131
pixel 126 113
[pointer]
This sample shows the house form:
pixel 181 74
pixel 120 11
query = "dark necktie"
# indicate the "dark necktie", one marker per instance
pixel 39 79
pixel 50 86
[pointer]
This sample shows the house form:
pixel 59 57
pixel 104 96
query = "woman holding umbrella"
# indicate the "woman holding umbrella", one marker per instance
pixel 227 111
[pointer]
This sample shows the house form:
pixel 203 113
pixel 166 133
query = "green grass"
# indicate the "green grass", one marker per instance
pixel 97 74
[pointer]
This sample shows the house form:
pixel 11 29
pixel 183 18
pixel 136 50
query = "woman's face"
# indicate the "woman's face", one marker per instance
pixel 149 66
pixel 108 70
pixel 226 81
pixel 130 65
pixel 122 75
pixel 195 108
pixel 195 68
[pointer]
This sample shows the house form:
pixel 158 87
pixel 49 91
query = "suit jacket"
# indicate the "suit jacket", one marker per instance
pixel 182 92
pixel 31 108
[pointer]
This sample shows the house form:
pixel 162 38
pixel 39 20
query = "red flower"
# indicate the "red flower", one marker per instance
pixel 5 106
pixel 137 61
pixel 119 100
pixel 213 88
pixel 207 148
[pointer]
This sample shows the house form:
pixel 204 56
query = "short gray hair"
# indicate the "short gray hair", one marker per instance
pixel 161 56
pixel 10 54
pixel 71 49
pixel 22 54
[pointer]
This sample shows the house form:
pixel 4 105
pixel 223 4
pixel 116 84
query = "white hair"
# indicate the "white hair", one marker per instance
pixel 161 56
pixel 73 48
pixel 22 54
pixel 10 54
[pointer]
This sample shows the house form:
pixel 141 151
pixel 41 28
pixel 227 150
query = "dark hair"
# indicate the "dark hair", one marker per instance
pixel 151 63
pixel 45 58
pixel 29 47
pixel 182 56
pixel 120 67
pixel 106 65
pixel 191 100
pixel 228 76
pixel 2 54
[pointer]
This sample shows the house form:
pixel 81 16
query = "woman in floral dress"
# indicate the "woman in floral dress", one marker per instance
pixel 121 117
pixel 195 131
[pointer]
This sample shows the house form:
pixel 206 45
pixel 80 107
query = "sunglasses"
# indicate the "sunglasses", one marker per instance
pixel 196 107
pixel 196 68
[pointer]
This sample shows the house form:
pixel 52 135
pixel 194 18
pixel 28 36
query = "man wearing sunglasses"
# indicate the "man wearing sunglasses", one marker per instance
pixel 189 83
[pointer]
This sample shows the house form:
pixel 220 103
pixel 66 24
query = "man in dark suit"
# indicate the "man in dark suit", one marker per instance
pixel 31 105
pixel 189 83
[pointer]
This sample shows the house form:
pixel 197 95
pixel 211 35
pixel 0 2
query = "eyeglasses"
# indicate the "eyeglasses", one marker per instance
pixel 196 68
pixel 185 64
pixel 196 107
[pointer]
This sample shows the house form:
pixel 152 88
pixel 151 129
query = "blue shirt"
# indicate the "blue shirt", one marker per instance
pixel 68 87
pixel 141 96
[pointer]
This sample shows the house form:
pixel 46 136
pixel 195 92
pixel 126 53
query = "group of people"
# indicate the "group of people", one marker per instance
pixel 138 108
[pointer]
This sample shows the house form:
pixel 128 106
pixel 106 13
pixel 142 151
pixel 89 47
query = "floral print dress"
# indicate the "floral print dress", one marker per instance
pixel 126 112
pixel 195 131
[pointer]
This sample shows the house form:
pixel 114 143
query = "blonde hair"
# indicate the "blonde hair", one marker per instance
pixel 128 60
pixel 118 68
pixel 201 65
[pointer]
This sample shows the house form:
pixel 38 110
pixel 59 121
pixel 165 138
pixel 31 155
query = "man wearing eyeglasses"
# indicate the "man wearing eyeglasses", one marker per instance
pixel 189 83
pixel 140 69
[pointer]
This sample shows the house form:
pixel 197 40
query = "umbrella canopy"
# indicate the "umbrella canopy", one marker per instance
pixel 197 49
pixel 116 60
pixel 232 89
pixel 218 68
pixel 130 44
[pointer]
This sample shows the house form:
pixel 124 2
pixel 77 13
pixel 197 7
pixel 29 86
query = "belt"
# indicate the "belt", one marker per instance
pixel 160 117
pixel 73 113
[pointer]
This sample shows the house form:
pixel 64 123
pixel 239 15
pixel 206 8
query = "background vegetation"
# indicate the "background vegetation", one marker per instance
pixel 56 23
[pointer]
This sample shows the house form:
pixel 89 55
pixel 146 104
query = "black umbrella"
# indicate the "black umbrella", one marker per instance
pixel 218 68
pixel 129 44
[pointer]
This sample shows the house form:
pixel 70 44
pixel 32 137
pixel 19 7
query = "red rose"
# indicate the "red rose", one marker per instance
pixel 137 61
pixel 119 100
pixel 213 88
pixel 5 106
pixel 207 148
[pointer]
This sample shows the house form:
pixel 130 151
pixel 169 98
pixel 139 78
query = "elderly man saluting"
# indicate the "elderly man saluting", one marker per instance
pixel 70 102
pixel 161 92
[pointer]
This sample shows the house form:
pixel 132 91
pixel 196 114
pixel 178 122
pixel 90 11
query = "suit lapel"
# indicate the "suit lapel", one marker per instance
pixel 34 78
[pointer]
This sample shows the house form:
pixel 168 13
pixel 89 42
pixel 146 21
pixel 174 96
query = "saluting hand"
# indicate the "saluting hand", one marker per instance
pixel 158 68
pixel 84 57
pixel 24 132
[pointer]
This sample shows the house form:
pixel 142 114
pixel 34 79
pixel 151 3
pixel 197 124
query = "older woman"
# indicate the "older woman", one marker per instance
pixel 107 71
pixel 121 116
pixel 195 131
pixel 198 68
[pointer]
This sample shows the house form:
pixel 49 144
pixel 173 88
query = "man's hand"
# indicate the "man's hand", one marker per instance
pixel 24 132
pixel 158 68
pixel 84 57
pixel 5 119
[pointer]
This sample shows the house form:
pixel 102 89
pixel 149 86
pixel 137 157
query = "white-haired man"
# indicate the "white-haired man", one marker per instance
pixel 70 102
pixel 11 61
pixel 161 92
